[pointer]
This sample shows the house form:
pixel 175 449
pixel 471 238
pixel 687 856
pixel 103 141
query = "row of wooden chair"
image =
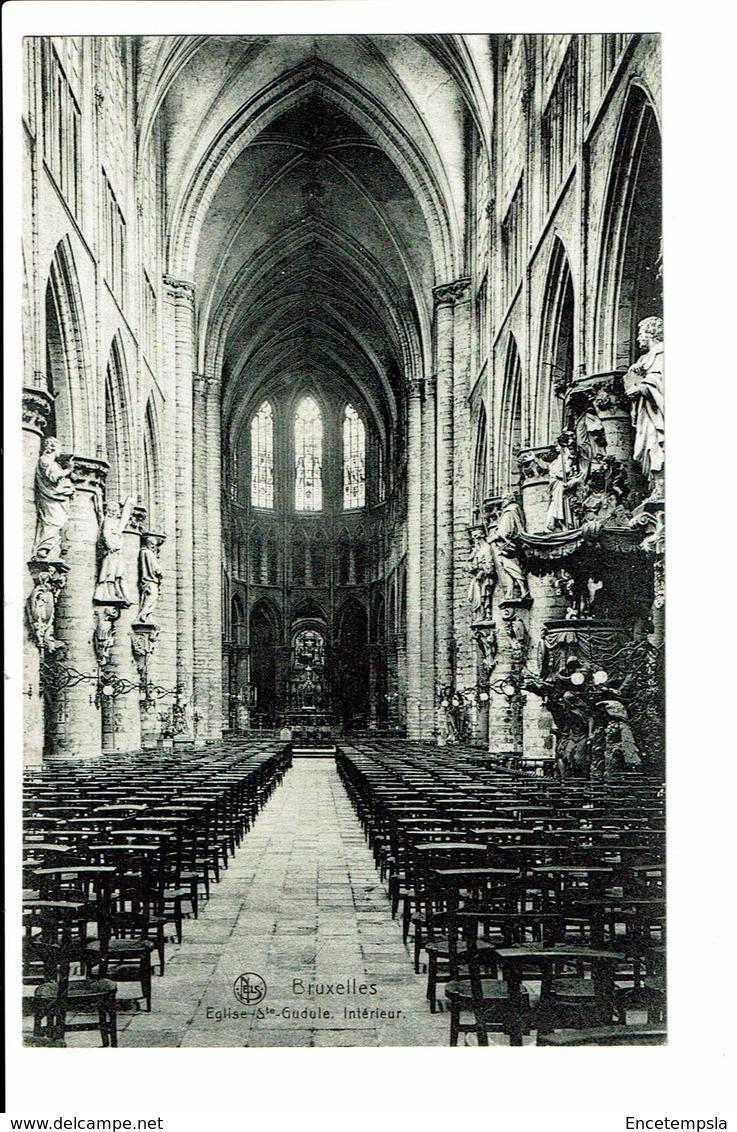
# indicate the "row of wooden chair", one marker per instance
pixel 505 880
pixel 114 855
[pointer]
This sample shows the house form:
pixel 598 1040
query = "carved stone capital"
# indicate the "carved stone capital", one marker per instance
pixel 534 463
pixel 160 538
pixel 143 642
pixel 178 288
pixel 484 633
pixel 36 409
pixel 49 579
pixel 514 629
pixel 430 386
pixel 89 473
pixel 649 521
pixel 415 387
pixel 103 637
pixel 491 510
pixel 602 393
pixel 451 293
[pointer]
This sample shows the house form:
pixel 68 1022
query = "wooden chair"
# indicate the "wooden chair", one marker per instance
pixel 60 994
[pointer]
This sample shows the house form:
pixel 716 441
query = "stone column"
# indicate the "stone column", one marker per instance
pixel 427 555
pixel 402 680
pixel 143 644
pixel 121 712
pixel 603 393
pixel 392 682
pixel 535 484
pixel 215 723
pixel 36 409
pixel 444 299
pixel 464 646
pixel 179 294
pixel 75 727
pixel 373 653
pixel 548 603
pixel 208 678
pixel 414 560
pixel 505 702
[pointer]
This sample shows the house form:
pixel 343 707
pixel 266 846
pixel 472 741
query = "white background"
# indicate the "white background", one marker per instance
pixel 593 1090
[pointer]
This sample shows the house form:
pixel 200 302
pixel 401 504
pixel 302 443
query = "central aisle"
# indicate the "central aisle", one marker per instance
pixel 301 901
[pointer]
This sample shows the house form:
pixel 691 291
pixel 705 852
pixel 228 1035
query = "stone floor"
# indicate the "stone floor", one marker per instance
pixel 301 901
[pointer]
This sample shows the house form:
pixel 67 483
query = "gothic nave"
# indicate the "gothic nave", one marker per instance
pixel 343 430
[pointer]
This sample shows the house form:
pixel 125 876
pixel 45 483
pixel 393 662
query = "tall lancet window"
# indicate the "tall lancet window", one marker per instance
pixel 354 460
pixel 308 456
pixel 262 457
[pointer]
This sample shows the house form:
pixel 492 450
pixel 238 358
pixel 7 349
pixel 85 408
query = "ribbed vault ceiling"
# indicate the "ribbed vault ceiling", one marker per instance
pixel 315 195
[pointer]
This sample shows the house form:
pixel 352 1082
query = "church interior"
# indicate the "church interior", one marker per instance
pixel 343 525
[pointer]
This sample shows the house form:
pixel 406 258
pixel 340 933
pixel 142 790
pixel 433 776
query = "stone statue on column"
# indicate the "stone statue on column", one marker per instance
pixel 510 525
pixel 644 384
pixel 54 492
pixel 111 581
pixel 149 580
pixel 483 575
pixel 564 476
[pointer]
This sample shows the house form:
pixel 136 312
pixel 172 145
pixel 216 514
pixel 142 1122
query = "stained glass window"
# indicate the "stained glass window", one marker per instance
pixel 262 457
pixel 308 456
pixel 354 460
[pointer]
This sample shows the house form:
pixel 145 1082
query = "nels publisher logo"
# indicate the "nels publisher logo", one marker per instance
pixel 250 989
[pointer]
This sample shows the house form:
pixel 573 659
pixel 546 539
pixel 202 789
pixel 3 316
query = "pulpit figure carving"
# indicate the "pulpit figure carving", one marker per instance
pixel 644 384
pixel 564 476
pixel 504 542
pixel 54 492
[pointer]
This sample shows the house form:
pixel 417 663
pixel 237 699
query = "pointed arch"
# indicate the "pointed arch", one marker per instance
pixel 354 460
pixel 307 609
pixel 67 355
pixel 262 457
pixel 237 620
pixel 152 467
pixel 421 168
pixel 629 283
pixel 264 638
pixel 480 461
pixel 118 424
pixel 308 436
pixel 510 428
pixel 556 359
